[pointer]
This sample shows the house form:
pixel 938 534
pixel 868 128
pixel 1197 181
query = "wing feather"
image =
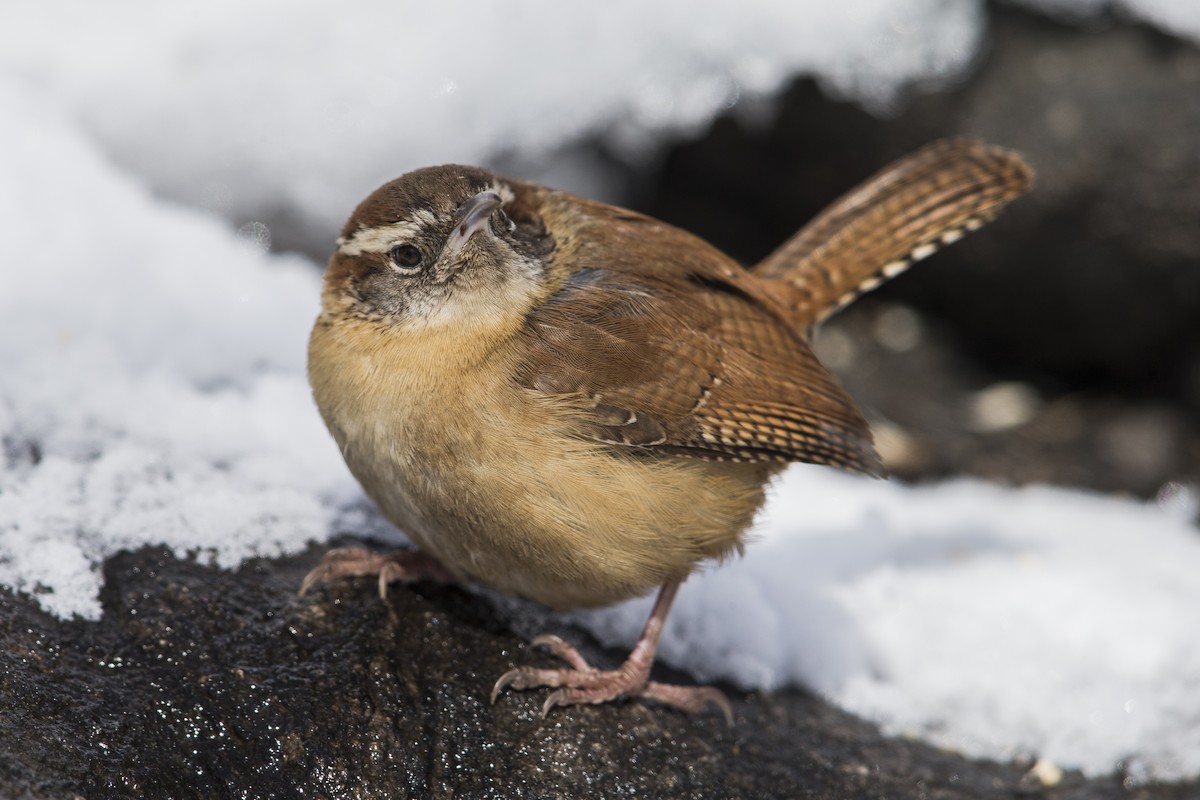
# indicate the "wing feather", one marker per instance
pixel 683 359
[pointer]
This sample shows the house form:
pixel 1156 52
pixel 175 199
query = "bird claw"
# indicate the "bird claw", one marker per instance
pixel 556 698
pixel 562 650
pixel 336 563
pixel 689 698
pixel 402 566
pixel 583 683
pixel 511 678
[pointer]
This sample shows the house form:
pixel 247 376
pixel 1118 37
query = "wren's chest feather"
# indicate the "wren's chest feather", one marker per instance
pixel 488 477
pixel 400 411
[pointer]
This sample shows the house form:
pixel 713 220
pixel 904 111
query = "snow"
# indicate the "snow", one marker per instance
pixel 153 383
pixel 153 387
pixel 1178 17
pixel 303 109
pixel 993 621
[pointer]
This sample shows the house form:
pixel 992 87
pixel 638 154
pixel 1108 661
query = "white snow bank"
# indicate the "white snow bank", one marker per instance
pixel 992 621
pixel 153 386
pixel 308 107
pixel 1179 17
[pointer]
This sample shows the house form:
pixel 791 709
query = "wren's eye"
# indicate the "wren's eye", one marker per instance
pixel 405 258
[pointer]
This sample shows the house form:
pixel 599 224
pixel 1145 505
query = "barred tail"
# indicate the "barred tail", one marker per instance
pixel 904 213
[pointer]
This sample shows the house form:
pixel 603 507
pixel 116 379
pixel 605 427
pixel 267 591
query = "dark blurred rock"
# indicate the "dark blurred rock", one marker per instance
pixel 1086 292
pixel 937 414
pixel 1092 280
pixel 198 683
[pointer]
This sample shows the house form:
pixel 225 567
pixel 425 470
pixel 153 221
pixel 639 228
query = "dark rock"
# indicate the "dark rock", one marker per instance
pixel 203 683
pixel 1091 280
pixel 938 414
pixel 1086 291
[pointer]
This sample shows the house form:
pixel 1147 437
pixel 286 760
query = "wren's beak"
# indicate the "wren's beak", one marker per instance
pixel 472 216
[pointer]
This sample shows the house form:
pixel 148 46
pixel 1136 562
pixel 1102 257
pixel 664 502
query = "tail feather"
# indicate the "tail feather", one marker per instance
pixel 903 214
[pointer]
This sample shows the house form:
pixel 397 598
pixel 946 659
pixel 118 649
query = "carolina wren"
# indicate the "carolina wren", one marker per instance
pixel 576 403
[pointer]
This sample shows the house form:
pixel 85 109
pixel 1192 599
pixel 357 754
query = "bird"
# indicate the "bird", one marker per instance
pixel 579 404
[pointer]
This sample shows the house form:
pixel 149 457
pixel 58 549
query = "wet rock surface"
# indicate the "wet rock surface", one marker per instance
pixel 204 683
pixel 1059 345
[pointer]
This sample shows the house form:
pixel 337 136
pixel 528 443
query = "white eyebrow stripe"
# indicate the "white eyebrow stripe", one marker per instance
pixel 377 240
pixel 382 238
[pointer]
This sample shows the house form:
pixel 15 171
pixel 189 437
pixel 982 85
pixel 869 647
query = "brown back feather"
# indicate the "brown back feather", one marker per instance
pixel 672 348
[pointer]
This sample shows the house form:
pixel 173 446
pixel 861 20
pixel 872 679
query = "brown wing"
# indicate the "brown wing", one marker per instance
pixel 676 357
pixel 902 214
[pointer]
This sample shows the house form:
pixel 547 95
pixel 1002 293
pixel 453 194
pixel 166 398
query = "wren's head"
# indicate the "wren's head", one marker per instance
pixel 447 245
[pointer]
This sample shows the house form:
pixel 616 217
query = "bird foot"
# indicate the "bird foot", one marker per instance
pixel 401 566
pixel 583 683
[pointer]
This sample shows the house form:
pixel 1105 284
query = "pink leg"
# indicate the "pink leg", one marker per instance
pixel 400 566
pixel 583 683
